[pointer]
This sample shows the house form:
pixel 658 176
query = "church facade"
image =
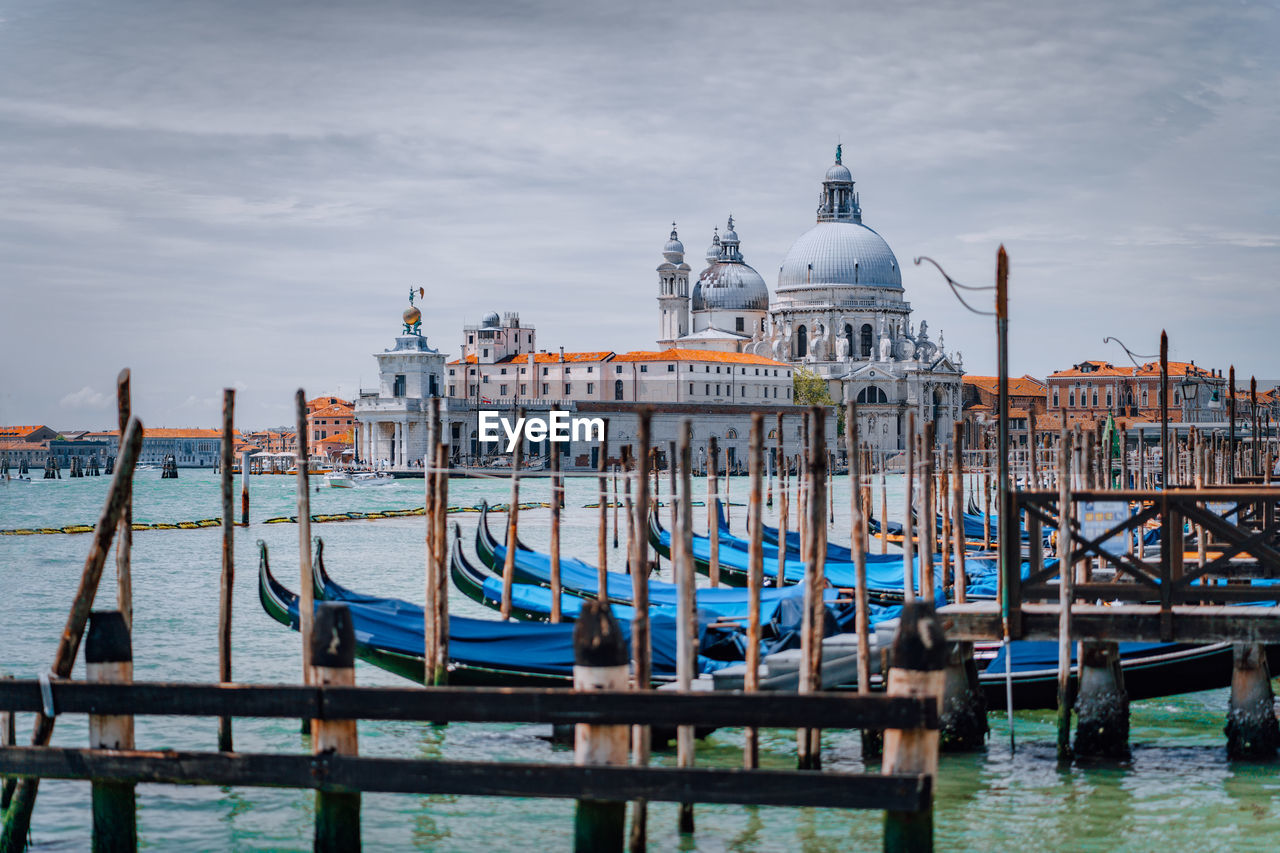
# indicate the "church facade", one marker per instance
pixel 837 311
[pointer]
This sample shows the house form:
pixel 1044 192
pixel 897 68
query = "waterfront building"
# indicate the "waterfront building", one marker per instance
pixel 190 447
pixel 981 396
pixel 328 417
pixel 1094 389
pixel 391 420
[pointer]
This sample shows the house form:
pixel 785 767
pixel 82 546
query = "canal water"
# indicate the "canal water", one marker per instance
pixel 1178 792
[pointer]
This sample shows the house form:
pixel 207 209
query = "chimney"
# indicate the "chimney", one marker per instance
pixel 562 355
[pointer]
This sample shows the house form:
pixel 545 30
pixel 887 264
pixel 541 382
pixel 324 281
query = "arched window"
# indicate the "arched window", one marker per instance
pixel 848 336
pixel 617 389
pixel 802 342
pixel 872 395
pixel 866 340
pixel 731 433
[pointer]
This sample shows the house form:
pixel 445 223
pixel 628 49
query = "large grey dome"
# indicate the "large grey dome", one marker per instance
pixel 839 253
pixel 730 286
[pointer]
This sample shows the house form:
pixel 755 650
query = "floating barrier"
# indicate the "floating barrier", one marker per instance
pixel 322 518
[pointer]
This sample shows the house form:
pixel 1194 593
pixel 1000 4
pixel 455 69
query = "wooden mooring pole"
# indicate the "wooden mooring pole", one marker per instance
pixel 226 585
pixel 713 509
pixel 599 663
pixel 513 529
pixel 755 579
pixel 602 529
pixel 1066 577
pixel 1251 729
pixel 687 614
pixel 815 610
pixel 333 660
pixel 919 653
pixel 124 545
pixel 641 652
pixel 306 595
pixel 557 498
pixel 108 657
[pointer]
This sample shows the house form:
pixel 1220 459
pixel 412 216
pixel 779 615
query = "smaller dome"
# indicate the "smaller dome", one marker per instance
pixel 674 250
pixel 490 320
pixel 730 236
pixel 713 251
pixel 839 173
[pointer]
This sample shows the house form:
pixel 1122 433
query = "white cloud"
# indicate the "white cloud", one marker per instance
pixel 85 398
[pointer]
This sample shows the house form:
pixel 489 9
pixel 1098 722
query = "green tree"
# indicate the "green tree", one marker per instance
pixel 810 389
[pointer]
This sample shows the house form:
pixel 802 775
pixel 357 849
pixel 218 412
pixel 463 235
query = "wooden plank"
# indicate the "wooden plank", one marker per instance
pixel 1124 623
pixel 330 772
pixel 463 704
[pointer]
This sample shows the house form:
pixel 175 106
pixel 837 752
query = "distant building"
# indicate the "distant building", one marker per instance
pixel 1091 390
pixel 981 395
pixel 329 417
pixel 190 447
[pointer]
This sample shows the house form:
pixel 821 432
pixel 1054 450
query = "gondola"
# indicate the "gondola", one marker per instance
pixel 719 645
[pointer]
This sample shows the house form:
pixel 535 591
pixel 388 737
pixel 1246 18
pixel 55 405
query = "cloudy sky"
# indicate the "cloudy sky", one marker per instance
pixel 241 194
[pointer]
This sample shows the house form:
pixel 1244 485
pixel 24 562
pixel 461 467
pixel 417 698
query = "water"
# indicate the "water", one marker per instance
pixel 1178 792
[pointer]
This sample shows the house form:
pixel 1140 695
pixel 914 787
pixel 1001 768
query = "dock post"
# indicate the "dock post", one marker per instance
pixel 755 578
pixel 333 661
pixel 713 510
pixel 599 663
pixel 1251 729
pixel 919 649
pixel 687 612
pixel 964 707
pixel 641 647
pixel 815 611
pixel 513 522
pixel 226 585
pixel 124 544
pixel 108 657
pixel 1102 707
pixel 244 489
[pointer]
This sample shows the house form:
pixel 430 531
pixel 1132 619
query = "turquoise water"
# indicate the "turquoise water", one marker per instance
pixel 1177 793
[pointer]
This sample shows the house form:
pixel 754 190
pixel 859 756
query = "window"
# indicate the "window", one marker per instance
pixel 617 389
pixel 451 371
pixel 475 389
pixel 618 369
pixel 739 324
pixel 872 395
pixel 567 369
pixel 486 352
pixel 590 369
pixel 503 371
pixel 544 371
pixel 591 387
pixel 1108 398
pixel 788 393
pixel 717 368
pixel 644 368
pixel 691 388
pixel 802 342
pixel 1145 398
pixel 1095 397
pixel 485 379
pixel 866 340
pixel 471 339
pixel 397 388
pixel 567 386
pixel 707 391
pixel 502 390
pixel 706 368
pixel 523 369
pixel 671 368
pixel 1071 397
pixel 1055 398
pixel 717 389
pixel 546 389
pixel 524 390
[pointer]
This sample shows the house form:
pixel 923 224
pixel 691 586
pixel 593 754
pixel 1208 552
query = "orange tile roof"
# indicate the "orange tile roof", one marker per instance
pixel 699 355
pixel 327 401
pixel 20 431
pixel 545 357
pixel 333 411
pixel 1021 386
pixel 1176 368
pixel 168 432
pixel 333 439
pixel 1100 368
pixel 18 444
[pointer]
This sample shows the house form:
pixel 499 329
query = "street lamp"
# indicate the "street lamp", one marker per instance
pixel 1190 391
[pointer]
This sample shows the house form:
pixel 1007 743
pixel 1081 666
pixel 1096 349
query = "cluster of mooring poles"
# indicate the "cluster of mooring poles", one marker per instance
pixel 613 729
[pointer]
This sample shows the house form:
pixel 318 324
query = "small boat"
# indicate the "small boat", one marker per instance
pixel 368 479
pixel 339 480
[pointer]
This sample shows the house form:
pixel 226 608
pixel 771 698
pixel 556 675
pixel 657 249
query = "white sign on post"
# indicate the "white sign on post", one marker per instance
pixel 1097 517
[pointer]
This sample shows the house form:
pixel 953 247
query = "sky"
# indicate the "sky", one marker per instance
pixel 241 195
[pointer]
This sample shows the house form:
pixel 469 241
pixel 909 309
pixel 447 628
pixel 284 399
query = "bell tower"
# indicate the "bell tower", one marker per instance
pixel 673 292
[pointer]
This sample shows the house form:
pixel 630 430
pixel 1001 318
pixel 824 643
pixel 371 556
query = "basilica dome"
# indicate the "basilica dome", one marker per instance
pixel 731 286
pixel 839 253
